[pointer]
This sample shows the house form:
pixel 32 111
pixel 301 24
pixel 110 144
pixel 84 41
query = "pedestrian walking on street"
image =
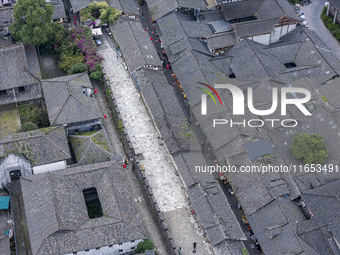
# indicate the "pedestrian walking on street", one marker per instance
pixel 117 56
pixel 194 251
pixel 180 250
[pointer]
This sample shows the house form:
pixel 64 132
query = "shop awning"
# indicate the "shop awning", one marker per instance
pixel 4 203
pixel 96 31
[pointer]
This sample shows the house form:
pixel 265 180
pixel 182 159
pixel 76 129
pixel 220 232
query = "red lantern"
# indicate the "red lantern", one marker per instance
pixel 154 28
pixel 75 17
pixel 160 40
pixel 167 66
pixel 105 116
pixel 95 91
pixel 124 165
pixel 151 38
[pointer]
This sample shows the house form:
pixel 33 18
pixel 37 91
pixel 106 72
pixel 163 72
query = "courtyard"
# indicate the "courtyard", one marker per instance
pixel 9 122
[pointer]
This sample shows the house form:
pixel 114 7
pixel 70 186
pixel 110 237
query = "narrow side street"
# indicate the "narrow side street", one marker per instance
pixel 167 187
pixel 313 13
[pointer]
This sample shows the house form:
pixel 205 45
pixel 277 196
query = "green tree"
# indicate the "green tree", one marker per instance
pixel 77 68
pixel 32 22
pixel 66 60
pixel 144 245
pixel 59 34
pixel 109 15
pixel 40 117
pixel 97 75
pixel 28 126
pixel 309 147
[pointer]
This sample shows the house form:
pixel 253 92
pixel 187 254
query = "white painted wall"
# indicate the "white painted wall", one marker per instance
pixel 117 249
pixel 49 167
pixel 280 31
pixel 263 39
pixel 274 36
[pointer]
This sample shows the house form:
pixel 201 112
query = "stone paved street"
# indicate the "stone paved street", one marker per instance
pixel 159 170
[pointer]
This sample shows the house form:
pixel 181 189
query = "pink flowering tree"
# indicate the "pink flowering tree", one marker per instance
pixel 79 41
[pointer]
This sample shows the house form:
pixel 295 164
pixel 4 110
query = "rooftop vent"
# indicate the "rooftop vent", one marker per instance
pixel 290 65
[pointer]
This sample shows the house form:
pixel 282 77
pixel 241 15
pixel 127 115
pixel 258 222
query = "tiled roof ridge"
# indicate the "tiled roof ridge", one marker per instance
pixel 118 205
pixel 71 94
pixel 86 150
pixel 318 49
pixel 48 174
pixel 98 146
pixel 67 154
pixel 190 50
pixel 134 36
pixel 300 68
pixel 292 227
pixel 255 53
pixel 284 13
pixel 17 139
pixel 63 105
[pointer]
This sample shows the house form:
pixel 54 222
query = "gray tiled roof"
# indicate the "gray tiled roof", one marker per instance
pixel 91 147
pixel 251 60
pixel 246 60
pixel 331 92
pixel 15 69
pixel 323 201
pixel 273 231
pixel 65 101
pixel 257 27
pixel 258 149
pixel 41 146
pixel 222 40
pixel 126 6
pixel 57 218
pixel 33 61
pixel 77 5
pixel 160 8
pixel 287 9
pixel 266 199
pixel 138 50
pixel 241 9
pixel 262 9
pixel 59 10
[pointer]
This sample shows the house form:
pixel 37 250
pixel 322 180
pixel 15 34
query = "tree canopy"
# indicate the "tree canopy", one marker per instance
pixel 146 244
pixel 28 126
pixel 32 22
pixel 107 14
pixel 310 147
